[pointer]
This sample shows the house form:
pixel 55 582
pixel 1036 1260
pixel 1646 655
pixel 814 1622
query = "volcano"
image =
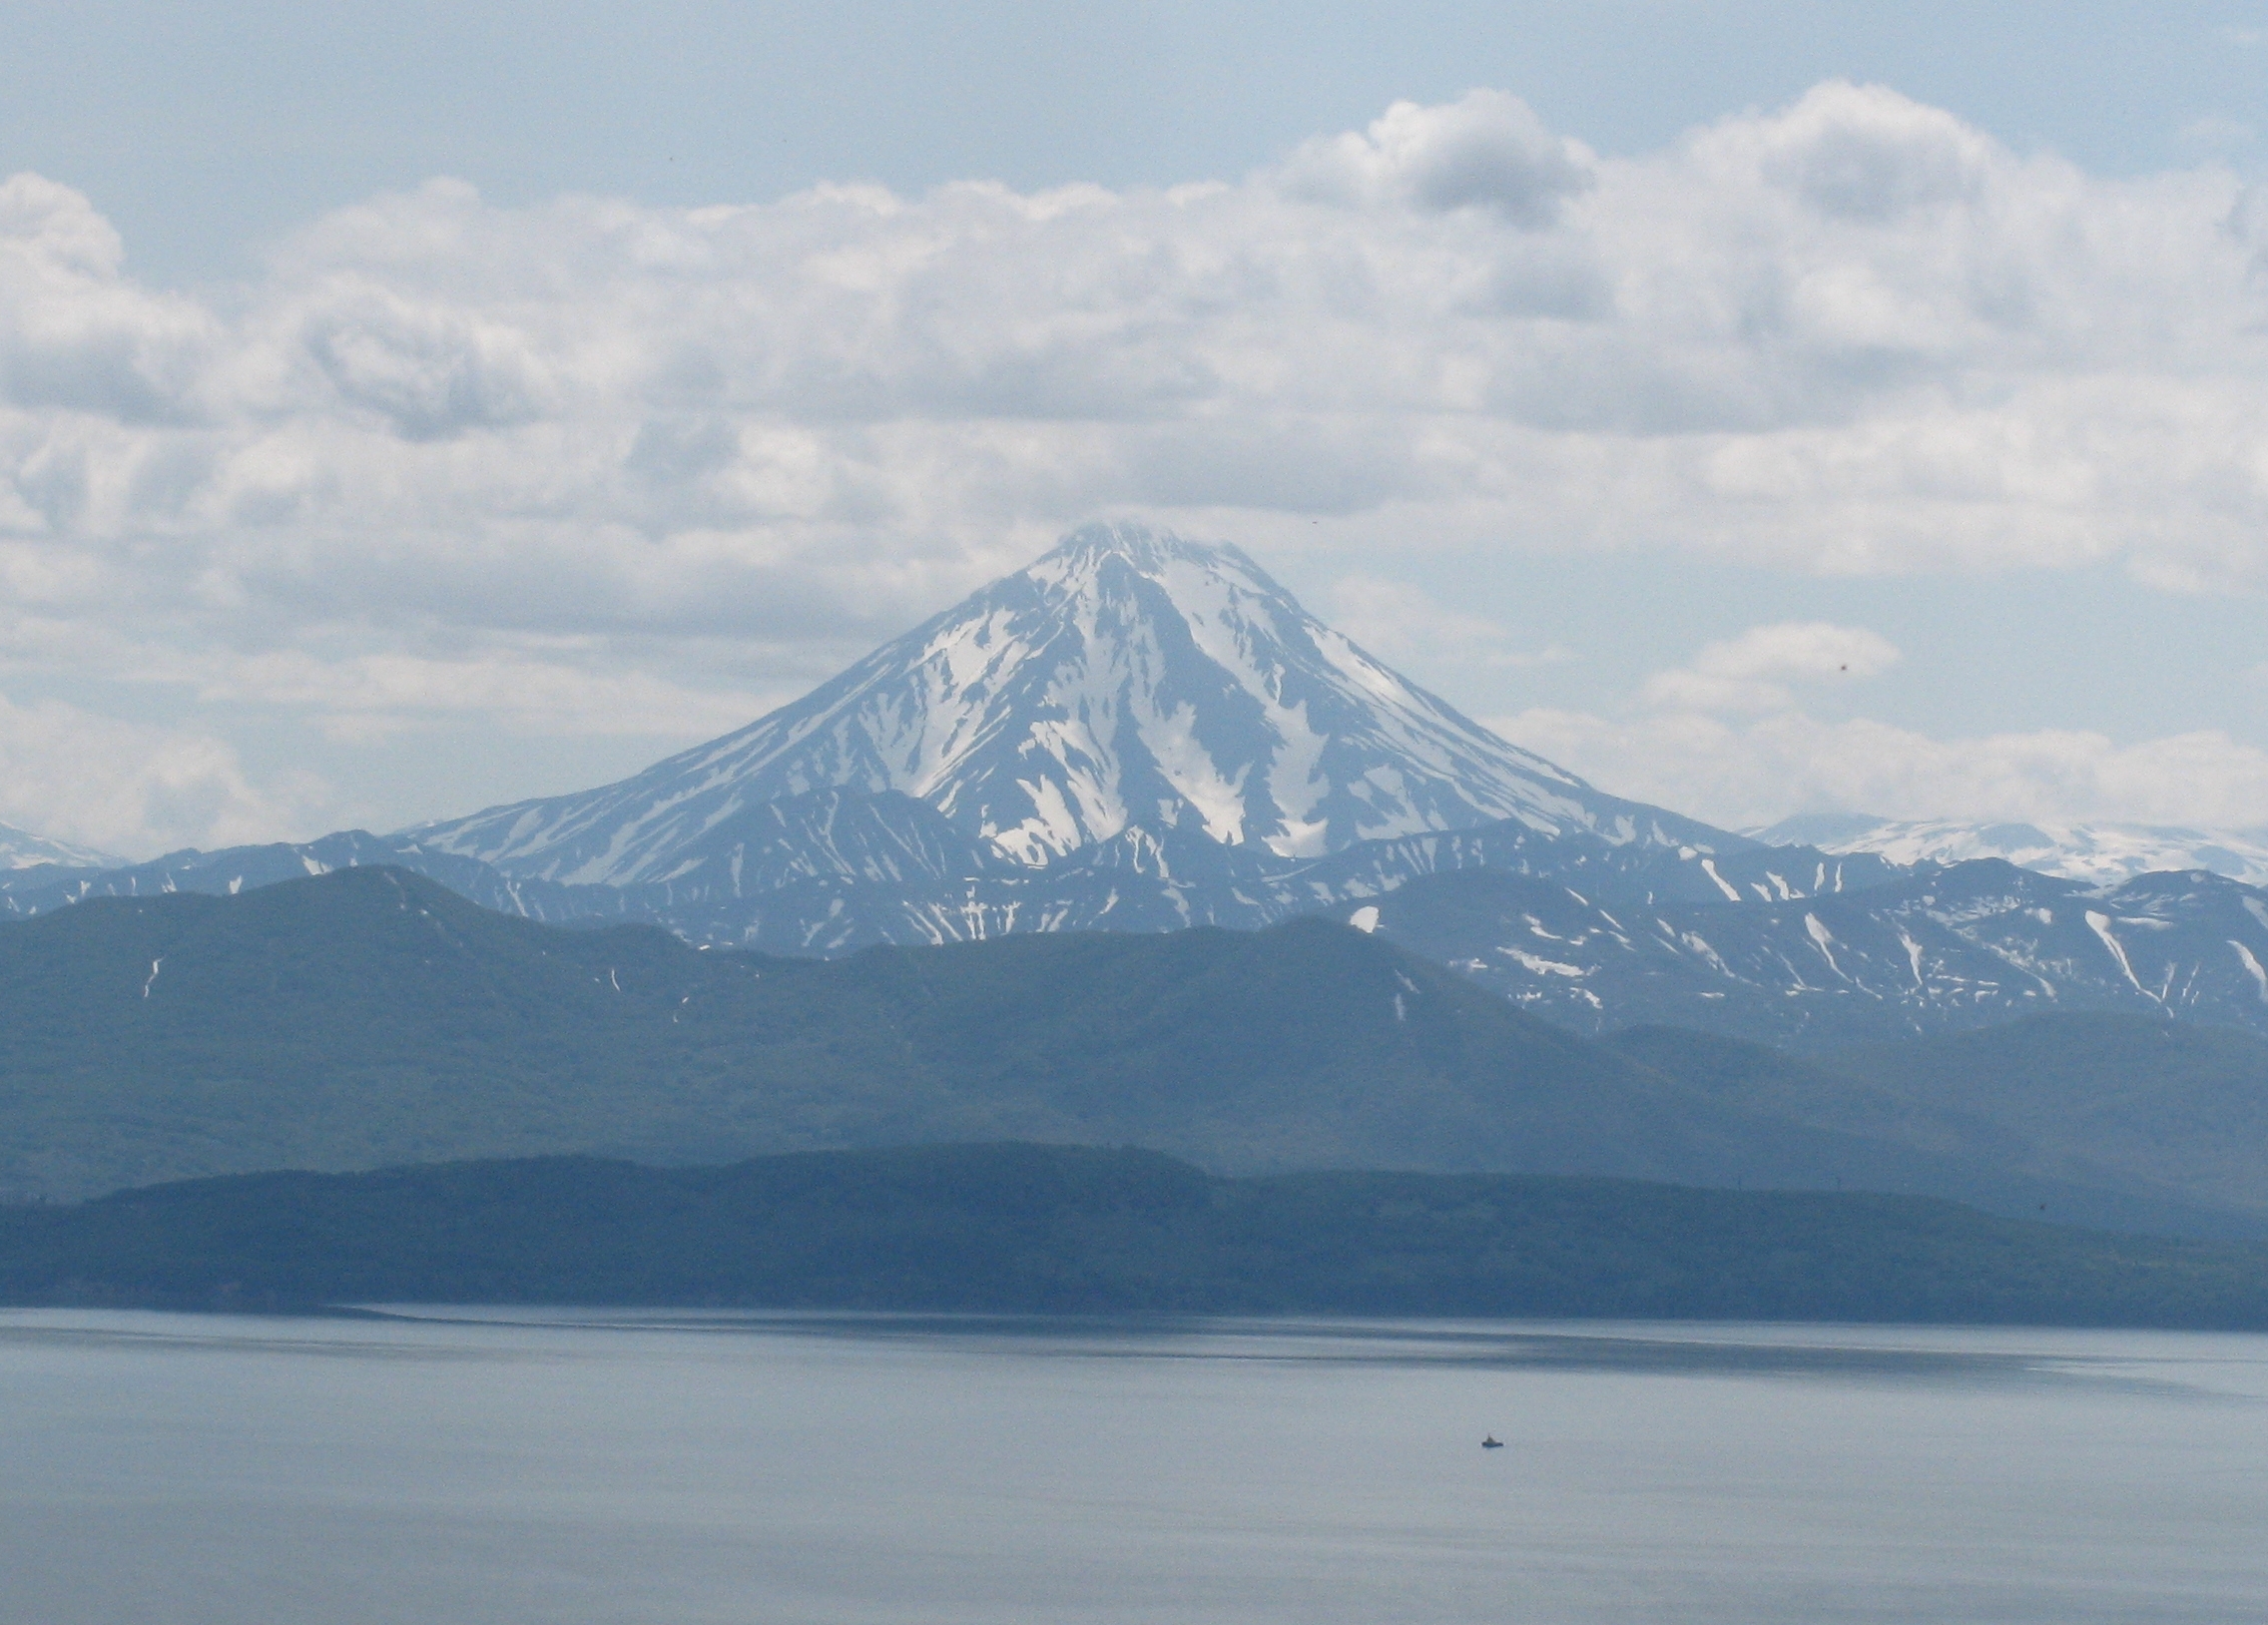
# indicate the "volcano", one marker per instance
pixel 1126 680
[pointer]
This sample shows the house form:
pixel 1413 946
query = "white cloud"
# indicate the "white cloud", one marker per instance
pixel 123 788
pixel 370 696
pixel 1863 153
pixel 1739 772
pixel 1487 151
pixel 1725 737
pixel 1854 336
pixel 74 335
pixel 625 461
pixel 1751 672
pixel 1402 623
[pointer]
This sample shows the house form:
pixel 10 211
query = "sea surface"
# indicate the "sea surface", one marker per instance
pixel 471 1467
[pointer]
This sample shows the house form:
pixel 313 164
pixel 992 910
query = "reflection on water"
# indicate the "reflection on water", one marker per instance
pixel 481 1466
pixel 1789 1351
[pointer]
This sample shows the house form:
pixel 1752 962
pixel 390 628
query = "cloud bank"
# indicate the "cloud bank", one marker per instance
pixel 597 465
pixel 1744 772
pixel 1730 737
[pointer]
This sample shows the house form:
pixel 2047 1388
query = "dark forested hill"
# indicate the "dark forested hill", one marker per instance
pixel 369 1017
pixel 1062 1228
pixel 2099 1098
pixel 2154 1108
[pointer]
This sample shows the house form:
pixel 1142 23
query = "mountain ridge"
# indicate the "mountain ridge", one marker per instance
pixel 2099 852
pixel 370 1017
pixel 1932 949
pixel 24 849
pixel 1142 734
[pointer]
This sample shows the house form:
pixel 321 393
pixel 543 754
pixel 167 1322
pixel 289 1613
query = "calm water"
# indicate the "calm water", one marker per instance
pixel 493 1466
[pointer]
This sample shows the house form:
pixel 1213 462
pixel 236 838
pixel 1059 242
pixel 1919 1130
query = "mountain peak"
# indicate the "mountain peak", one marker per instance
pixel 1079 556
pixel 1126 679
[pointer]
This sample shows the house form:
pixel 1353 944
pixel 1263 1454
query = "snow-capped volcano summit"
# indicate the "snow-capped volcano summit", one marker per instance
pixel 1124 680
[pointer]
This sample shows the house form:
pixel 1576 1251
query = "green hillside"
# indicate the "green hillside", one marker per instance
pixel 1060 1229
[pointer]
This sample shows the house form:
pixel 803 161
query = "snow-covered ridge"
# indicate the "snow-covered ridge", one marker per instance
pixel 1126 679
pixel 2102 853
pixel 20 849
pixel 1932 949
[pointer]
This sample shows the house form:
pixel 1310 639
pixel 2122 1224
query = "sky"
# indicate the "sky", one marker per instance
pixel 1758 409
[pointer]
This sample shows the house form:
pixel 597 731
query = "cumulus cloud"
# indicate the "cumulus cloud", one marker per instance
pixel 1487 151
pixel 75 334
pixel 698 454
pixel 1864 153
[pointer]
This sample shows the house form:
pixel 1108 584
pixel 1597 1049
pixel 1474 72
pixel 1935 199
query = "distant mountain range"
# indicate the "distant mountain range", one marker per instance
pixel 2100 854
pixel 1143 734
pixel 1932 949
pixel 370 1017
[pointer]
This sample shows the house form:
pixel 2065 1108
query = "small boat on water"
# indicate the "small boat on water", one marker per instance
pixel 1491 1443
